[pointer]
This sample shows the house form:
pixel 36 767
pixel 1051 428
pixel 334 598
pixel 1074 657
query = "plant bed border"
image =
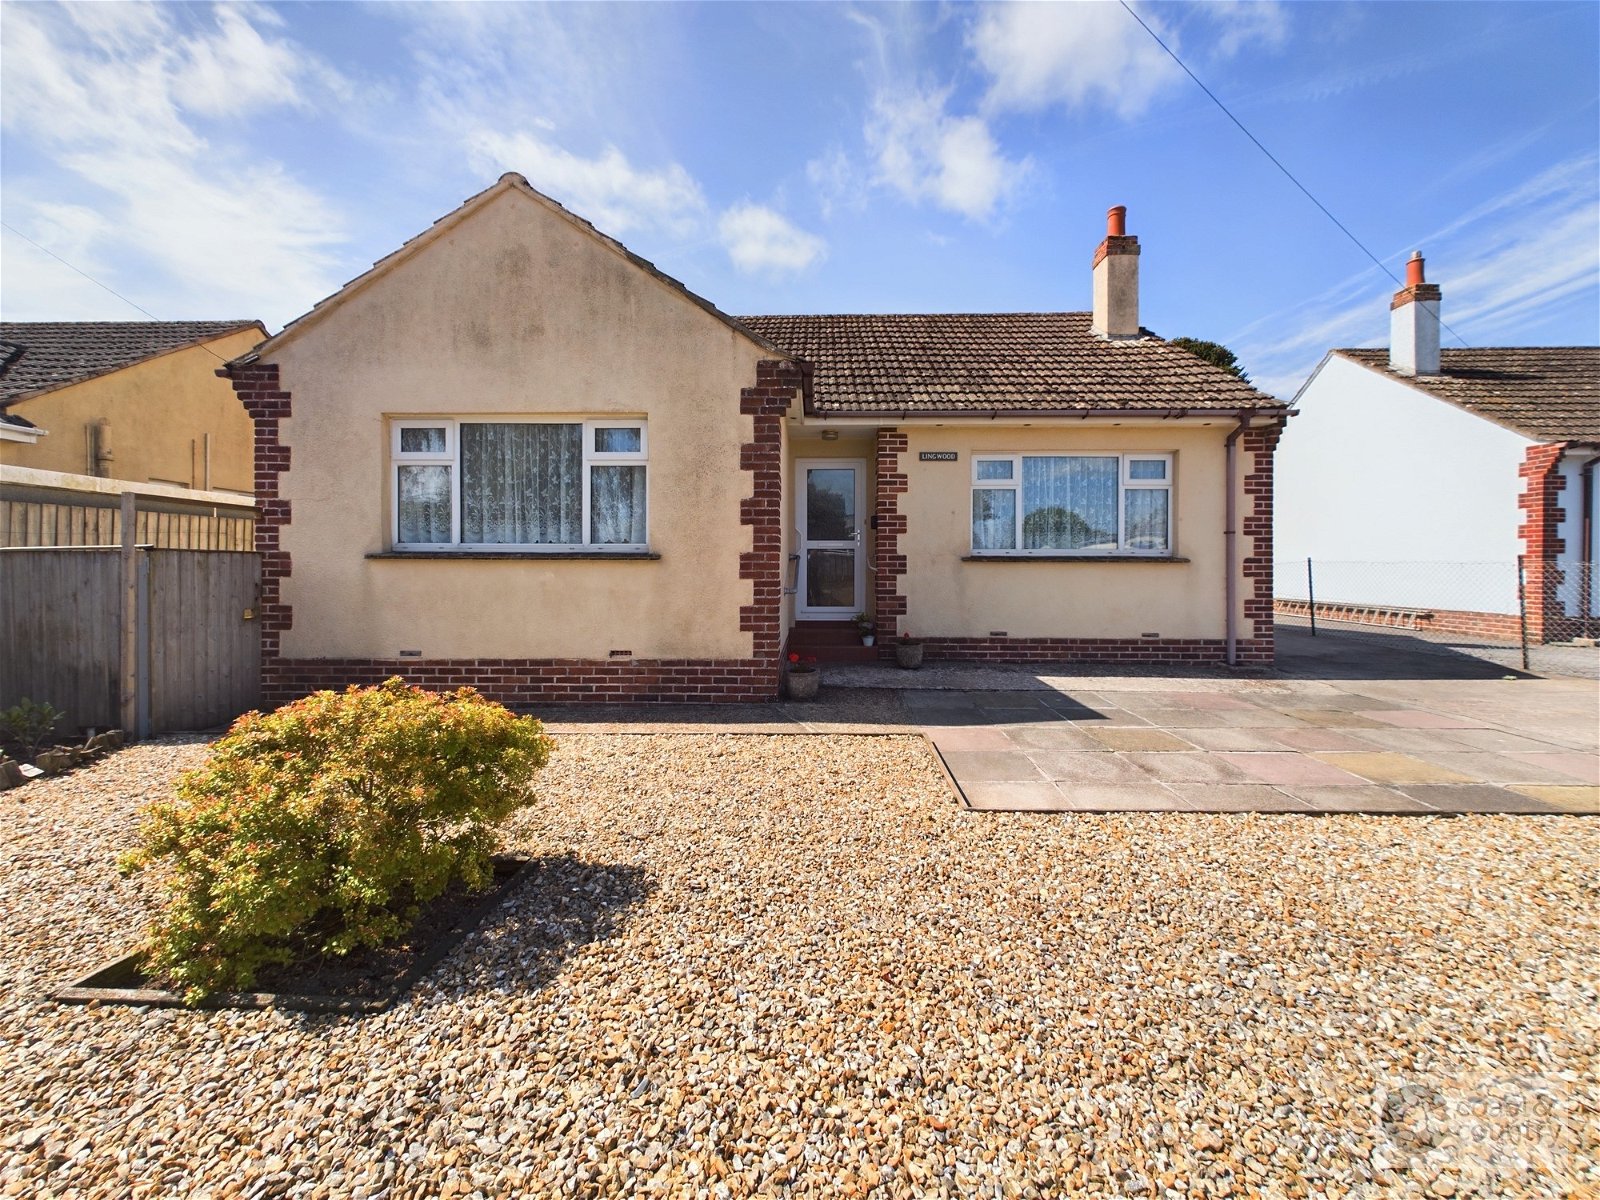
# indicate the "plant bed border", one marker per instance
pixel 118 981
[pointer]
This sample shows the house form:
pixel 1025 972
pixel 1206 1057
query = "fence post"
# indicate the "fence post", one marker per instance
pixel 1311 597
pixel 1522 609
pixel 128 682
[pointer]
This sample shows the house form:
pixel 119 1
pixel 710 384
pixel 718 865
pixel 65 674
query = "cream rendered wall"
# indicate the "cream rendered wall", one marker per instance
pixel 160 412
pixel 947 597
pixel 1373 471
pixel 515 310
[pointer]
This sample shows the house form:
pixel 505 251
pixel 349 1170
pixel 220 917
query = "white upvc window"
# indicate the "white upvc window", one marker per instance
pixel 1088 504
pixel 519 483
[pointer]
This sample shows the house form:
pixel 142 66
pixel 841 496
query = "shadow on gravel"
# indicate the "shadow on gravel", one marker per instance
pixel 560 905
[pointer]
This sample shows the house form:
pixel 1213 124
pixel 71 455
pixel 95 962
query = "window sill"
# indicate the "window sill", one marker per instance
pixel 1074 558
pixel 523 555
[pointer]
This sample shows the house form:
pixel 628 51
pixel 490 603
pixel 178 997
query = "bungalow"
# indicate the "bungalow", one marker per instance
pixel 515 455
pixel 1485 456
pixel 132 400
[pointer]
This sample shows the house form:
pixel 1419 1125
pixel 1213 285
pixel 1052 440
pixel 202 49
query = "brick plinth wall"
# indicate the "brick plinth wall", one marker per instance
pixel 1496 627
pixel 527 681
pixel 890 484
pixel 1187 651
pixel 1542 515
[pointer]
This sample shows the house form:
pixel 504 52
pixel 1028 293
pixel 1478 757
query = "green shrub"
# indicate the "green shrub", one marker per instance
pixel 30 724
pixel 322 826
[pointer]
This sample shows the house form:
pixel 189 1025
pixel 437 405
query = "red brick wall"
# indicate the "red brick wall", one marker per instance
pixel 1540 503
pixel 891 482
pixel 1177 651
pixel 528 681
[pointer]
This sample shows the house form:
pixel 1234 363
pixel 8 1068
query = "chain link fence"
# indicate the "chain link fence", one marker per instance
pixel 1537 615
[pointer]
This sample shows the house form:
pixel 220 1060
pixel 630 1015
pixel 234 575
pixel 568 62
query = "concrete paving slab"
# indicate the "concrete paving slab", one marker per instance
pixel 1419 718
pixel 1198 767
pixel 1013 797
pixel 1475 798
pixel 1583 801
pixel 970 737
pixel 1119 797
pixel 1488 767
pixel 1087 766
pixel 1140 739
pixel 1371 799
pixel 1109 716
pixel 1584 768
pixel 1501 740
pixel 1289 768
pixel 990 766
pixel 1057 736
pixel 1187 718
pixel 1332 718
pixel 1422 742
pixel 1031 701
pixel 1383 767
pixel 1315 739
pixel 1260 718
pixel 1236 798
pixel 921 701
pixel 1233 739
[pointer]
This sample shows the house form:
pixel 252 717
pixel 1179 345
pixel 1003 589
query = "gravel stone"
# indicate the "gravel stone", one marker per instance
pixel 793 966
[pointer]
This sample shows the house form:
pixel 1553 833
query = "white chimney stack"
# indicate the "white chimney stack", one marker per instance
pixel 1414 323
pixel 1116 280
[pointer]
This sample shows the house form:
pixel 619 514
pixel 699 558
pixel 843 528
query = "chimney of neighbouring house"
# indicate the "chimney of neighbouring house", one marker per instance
pixel 1116 280
pixel 1414 323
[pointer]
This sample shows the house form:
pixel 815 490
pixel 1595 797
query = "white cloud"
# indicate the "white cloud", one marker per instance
pixel 111 94
pixel 606 190
pixel 758 239
pixel 926 153
pixel 1075 54
pixel 1096 55
pixel 837 183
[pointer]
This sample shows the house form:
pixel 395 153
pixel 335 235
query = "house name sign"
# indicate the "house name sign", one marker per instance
pixel 937 456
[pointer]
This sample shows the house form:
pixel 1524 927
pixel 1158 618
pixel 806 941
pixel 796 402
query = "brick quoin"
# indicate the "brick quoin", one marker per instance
pixel 527 682
pixel 1255 647
pixel 890 484
pixel 1541 546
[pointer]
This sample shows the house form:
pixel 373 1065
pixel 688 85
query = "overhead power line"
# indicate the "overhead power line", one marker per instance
pixel 97 283
pixel 1273 158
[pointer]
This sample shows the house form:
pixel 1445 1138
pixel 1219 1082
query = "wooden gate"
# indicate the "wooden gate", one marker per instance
pixel 197 650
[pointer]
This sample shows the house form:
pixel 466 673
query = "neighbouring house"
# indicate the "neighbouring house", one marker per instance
pixel 1415 478
pixel 516 455
pixel 131 400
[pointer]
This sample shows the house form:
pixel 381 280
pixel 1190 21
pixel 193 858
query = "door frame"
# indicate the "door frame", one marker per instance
pixel 802 611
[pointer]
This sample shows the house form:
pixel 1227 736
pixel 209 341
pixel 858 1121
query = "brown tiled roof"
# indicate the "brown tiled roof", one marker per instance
pixel 38 356
pixel 986 362
pixel 1547 393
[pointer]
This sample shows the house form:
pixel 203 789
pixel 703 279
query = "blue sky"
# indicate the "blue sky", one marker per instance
pixel 245 160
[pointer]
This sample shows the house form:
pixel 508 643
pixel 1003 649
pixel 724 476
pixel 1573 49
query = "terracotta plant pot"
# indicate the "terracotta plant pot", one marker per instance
pixel 908 655
pixel 803 684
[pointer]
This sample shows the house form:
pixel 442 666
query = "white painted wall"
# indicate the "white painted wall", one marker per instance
pixel 1373 471
pixel 1570 531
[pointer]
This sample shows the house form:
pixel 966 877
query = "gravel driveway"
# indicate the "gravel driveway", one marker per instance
pixel 792 966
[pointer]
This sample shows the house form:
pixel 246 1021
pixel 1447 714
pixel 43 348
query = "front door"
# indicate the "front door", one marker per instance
pixel 829 500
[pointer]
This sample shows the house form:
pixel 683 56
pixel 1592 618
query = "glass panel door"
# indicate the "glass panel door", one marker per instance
pixel 832 578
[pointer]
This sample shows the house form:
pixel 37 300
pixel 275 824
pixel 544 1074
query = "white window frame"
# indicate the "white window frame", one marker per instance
pixel 1125 483
pixel 451 457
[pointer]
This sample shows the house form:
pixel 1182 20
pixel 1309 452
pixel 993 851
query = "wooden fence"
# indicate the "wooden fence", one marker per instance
pixel 51 523
pixel 196 653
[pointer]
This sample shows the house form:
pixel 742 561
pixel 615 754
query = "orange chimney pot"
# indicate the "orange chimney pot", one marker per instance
pixel 1414 269
pixel 1117 221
